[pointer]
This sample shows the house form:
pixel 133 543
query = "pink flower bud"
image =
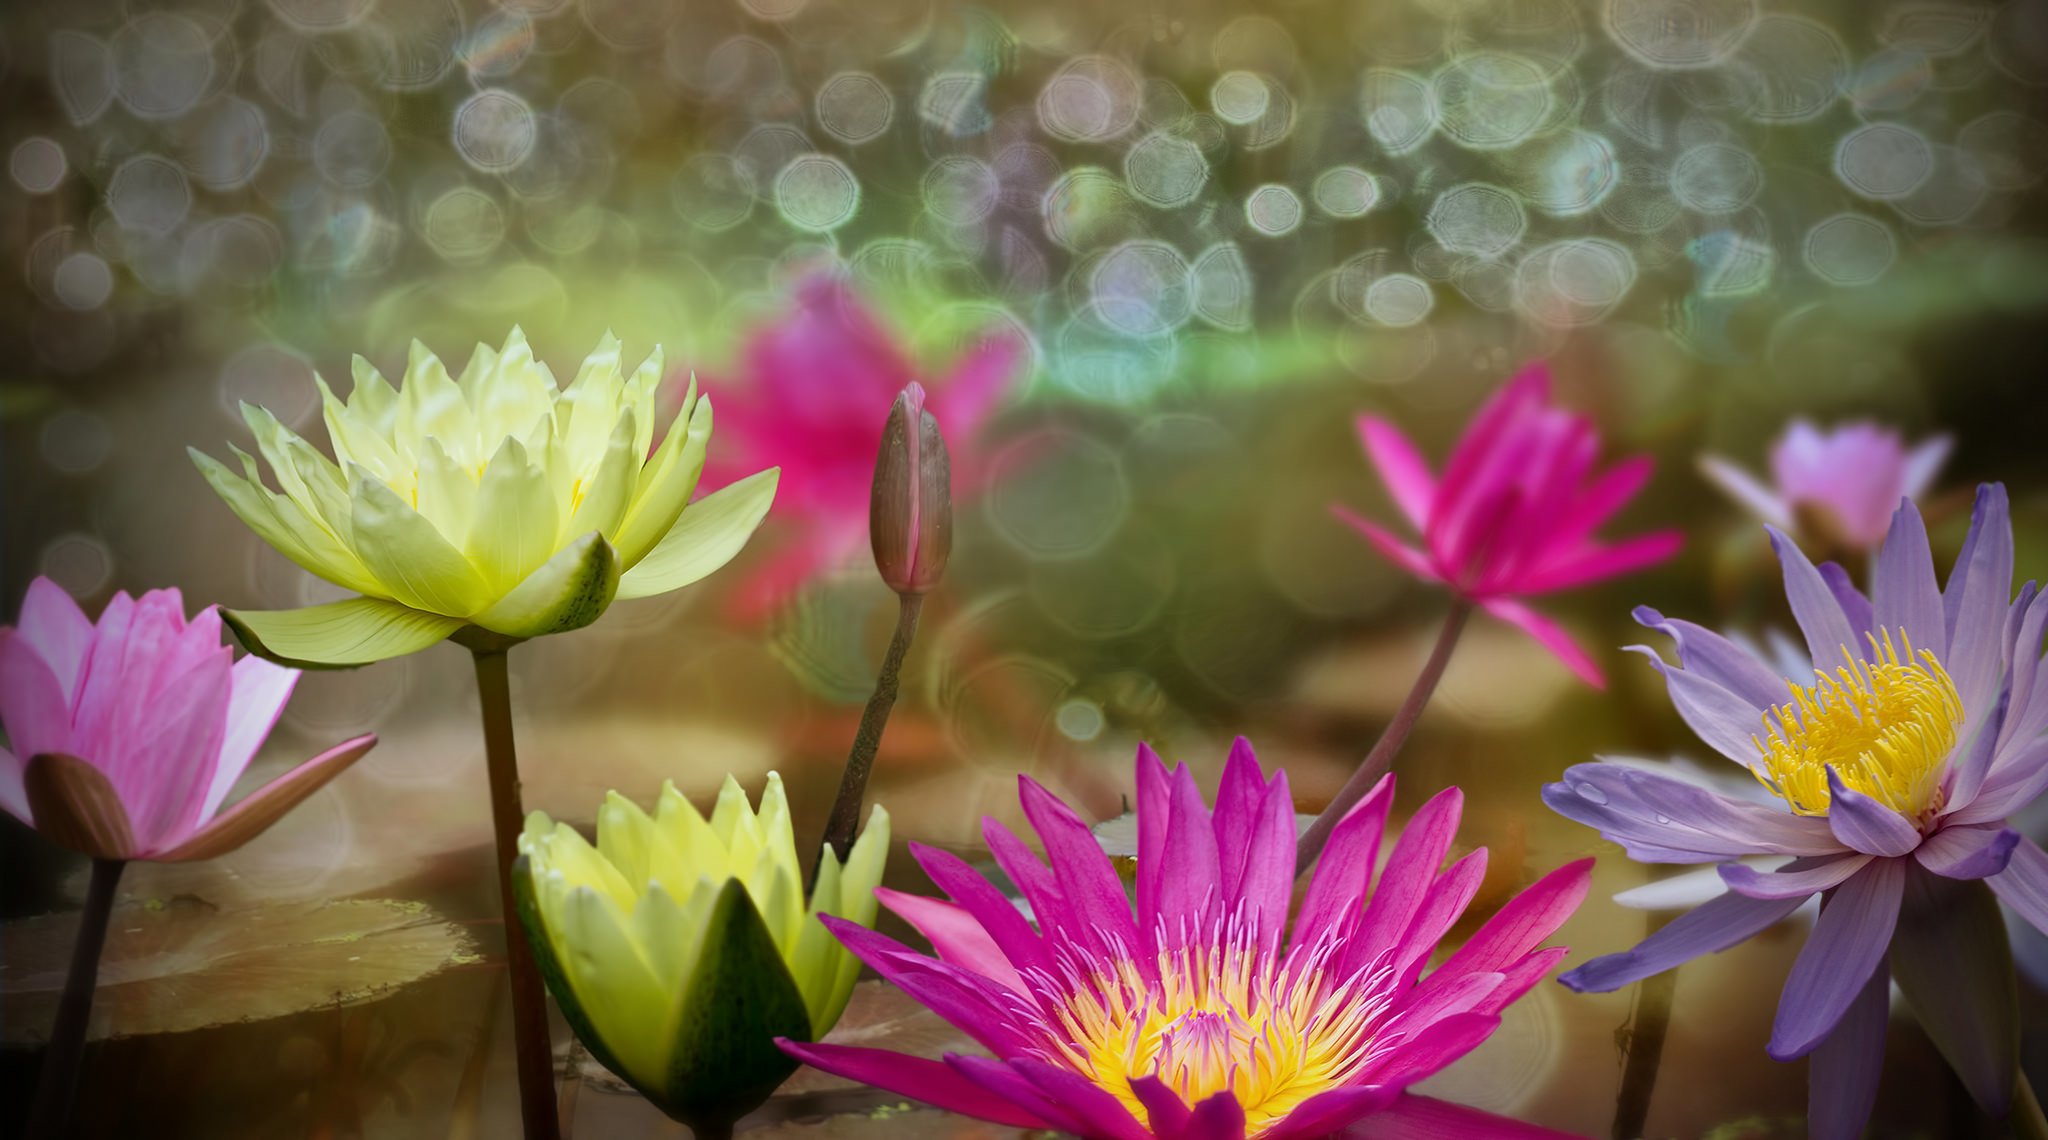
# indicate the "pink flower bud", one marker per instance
pixel 910 515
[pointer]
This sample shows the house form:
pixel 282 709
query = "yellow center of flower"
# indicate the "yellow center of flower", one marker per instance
pixel 1886 726
pixel 1221 1018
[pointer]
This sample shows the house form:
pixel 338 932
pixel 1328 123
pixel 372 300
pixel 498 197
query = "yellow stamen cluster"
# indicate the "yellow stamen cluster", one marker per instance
pixel 1222 1016
pixel 1886 726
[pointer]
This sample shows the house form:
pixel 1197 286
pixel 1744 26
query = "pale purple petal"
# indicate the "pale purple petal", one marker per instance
pixel 1847 943
pixel 1866 825
pixel 1682 821
pixel 1726 721
pixel 1685 889
pixel 2015 781
pixel 1968 852
pixel 1982 590
pixel 1855 606
pixel 1820 616
pixel 1843 1073
pixel 1714 658
pixel 1923 463
pixel 1968 770
pixel 1707 929
pixel 2023 885
pixel 1804 877
pixel 1903 589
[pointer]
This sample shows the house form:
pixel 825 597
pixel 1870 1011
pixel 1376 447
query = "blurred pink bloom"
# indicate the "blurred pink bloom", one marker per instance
pixel 128 735
pixel 813 392
pixel 1853 476
pixel 1514 512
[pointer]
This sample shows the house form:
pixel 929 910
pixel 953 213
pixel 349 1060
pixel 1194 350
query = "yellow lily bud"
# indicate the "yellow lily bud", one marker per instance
pixel 495 499
pixel 680 947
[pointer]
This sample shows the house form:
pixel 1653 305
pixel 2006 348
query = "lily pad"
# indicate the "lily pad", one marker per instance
pixel 181 965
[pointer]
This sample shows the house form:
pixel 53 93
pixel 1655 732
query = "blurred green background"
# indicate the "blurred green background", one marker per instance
pixel 1223 231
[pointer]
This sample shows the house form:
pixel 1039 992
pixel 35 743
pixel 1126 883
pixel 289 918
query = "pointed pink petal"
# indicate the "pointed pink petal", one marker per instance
pixel 1523 924
pixel 266 805
pixel 1194 878
pixel 1410 873
pixel 1393 549
pixel 1551 635
pixel 1401 467
pixel 1516 399
pixel 1594 563
pixel 1239 796
pixel 1336 891
pixel 1087 879
pixel 1105 1114
pixel 1007 1081
pixel 1032 880
pixel 257 692
pixel 1155 797
pixel 1425 1118
pixel 955 936
pixel 970 1002
pixel 59 631
pixel 1607 493
pixel 32 706
pixel 998 916
pixel 1321 1115
pixel 1165 1113
pixel 1448 897
pixel 161 751
pixel 1267 884
pixel 933 1082
pixel 1425 1053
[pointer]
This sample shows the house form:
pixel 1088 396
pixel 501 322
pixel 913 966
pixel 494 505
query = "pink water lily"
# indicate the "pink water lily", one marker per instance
pixel 1202 1016
pixel 128 734
pixel 1844 481
pixel 812 392
pixel 1514 511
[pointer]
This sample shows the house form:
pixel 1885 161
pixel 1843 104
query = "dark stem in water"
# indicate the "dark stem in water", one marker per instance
pixel 853 783
pixel 1648 1024
pixel 50 1117
pixel 529 1001
pixel 1381 758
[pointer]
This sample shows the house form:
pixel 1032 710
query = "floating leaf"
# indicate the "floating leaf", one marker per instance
pixel 180 965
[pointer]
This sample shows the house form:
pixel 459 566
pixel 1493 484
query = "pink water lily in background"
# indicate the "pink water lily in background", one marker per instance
pixel 813 390
pixel 127 734
pixel 1202 1015
pixel 1514 511
pixel 1845 480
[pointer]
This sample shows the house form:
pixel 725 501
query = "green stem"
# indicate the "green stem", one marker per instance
pixel 860 762
pixel 1381 759
pixel 1649 1024
pixel 50 1116
pixel 2027 1121
pixel 530 1035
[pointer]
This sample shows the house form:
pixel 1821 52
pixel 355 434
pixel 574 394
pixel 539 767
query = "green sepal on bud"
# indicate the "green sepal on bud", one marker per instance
pixel 910 514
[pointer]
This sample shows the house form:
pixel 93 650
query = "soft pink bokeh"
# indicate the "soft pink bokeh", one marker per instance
pixel 1855 473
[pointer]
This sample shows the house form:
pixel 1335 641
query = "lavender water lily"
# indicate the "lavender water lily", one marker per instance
pixel 1894 765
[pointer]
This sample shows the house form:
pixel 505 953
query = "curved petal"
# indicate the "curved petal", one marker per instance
pixel 1904 595
pixel 1864 824
pixel 342 634
pixel 1820 616
pixel 1978 596
pixel 1337 886
pixel 1323 1114
pixel 1969 852
pixel 1706 929
pixel 568 591
pixel 955 936
pixel 705 537
pixel 1714 658
pixel 417 563
pixel 1523 924
pixel 75 806
pixel 997 915
pixel 514 522
pixel 933 1082
pixel 52 624
pixel 254 814
pixel 1070 1103
pixel 1087 880
pixel 2023 885
pixel 1410 874
pixel 1424 1118
pixel 1725 720
pixel 1847 943
pixel 33 706
pixel 1406 474
pixel 1391 548
pixel 1801 879
pixel 1745 488
pixel 1663 819
pixel 1550 635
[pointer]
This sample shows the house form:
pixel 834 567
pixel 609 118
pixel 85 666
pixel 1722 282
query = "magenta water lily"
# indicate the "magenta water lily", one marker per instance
pixel 1201 1015
pixel 1513 513
pixel 1895 752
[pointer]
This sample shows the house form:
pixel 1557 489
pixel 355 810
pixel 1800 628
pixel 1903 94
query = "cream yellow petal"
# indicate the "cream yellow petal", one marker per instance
pixel 624 835
pixel 281 523
pixel 598 498
pixel 517 391
pixel 307 477
pixel 445 489
pixel 409 556
pixel 706 537
pixel 702 853
pixel 338 635
pixel 569 591
pixel 619 992
pixel 732 821
pixel 640 394
pixel 429 404
pixel 589 406
pixel 513 526
pixel 665 484
pixel 814 960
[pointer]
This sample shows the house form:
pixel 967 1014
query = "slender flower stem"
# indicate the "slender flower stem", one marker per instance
pixel 1381 758
pixel 853 783
pixel 530 1034
pixel 2026 1118
pixel 50 1117
pixel 1648 1025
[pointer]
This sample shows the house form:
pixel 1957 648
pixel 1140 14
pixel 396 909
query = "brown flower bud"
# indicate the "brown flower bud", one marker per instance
pixel 910 515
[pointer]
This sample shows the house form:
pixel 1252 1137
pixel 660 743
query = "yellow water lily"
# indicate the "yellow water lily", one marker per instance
pixel 496 499
pixel 679 947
